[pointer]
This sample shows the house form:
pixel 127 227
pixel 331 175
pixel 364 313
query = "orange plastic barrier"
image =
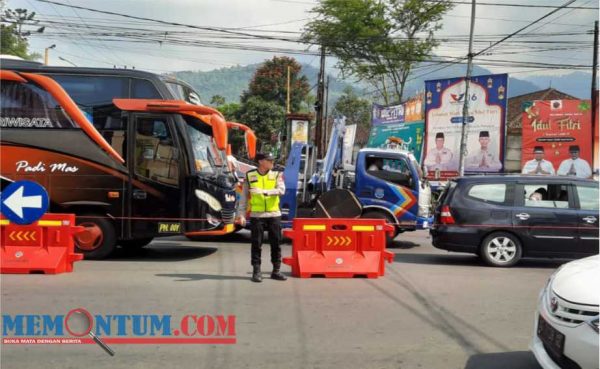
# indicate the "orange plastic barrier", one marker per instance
pixel 45 246
pixel 338 248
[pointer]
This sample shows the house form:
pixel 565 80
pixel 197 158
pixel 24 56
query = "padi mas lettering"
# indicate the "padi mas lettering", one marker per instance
pixel 24 166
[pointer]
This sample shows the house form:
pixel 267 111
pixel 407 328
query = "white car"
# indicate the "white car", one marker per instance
pixel 566 322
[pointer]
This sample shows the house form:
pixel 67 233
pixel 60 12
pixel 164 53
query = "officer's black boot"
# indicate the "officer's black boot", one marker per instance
pixel 276 275
pixel 256 276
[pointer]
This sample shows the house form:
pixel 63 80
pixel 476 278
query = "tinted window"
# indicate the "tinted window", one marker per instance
pixel 156 155
pixel 94 96
pixel 547 196
pixel 588 197
pixel 143 89
pixel 493 192
pixel 26 105
pixel 92 91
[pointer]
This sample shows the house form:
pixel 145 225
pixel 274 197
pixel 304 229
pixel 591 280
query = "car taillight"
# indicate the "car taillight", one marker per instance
pixel 446 216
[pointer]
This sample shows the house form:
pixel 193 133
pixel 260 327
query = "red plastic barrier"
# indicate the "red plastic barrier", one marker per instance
pixel 45 246
pixel 338 248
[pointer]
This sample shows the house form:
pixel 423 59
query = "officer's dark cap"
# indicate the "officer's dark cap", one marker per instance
pixel 484 134
pixel 574 148
pixel 538 150
pixel 264 156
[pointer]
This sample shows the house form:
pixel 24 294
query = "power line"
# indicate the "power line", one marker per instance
pixel 524 28
pixel 517 5
pixel 214 29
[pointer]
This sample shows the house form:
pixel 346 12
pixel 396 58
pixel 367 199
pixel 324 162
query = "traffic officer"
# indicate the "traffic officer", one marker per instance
pixel 262 187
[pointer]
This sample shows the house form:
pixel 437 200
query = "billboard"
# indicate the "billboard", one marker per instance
pixel 404 136
pixel 390 114
pixel 555 130
pixel 444 100
pixel 299 131
pixel 413 109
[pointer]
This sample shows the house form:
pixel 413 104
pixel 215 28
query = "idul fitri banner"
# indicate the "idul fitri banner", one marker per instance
pixel 404 136
pixel 557 138
pixel 444 100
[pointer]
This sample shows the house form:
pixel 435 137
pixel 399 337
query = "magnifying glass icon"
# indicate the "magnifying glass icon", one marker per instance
pixel 79 322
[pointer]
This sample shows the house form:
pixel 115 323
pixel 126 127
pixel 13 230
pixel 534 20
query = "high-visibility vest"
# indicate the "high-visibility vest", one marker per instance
pixel 260 203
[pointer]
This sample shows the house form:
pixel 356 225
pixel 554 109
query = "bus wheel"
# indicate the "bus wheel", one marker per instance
pixel 97 240
pixel 373 214
pixel 137 243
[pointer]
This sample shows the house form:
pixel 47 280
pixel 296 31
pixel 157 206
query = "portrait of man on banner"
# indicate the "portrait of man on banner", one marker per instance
pixel 299 131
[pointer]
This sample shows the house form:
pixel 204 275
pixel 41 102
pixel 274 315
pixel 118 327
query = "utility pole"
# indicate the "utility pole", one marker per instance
pixel 319 105
pixel 463 133
pixel 288 90
pixel 326 110
pixel 594 93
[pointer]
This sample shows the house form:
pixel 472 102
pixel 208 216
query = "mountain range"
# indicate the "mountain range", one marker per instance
pixel 231 82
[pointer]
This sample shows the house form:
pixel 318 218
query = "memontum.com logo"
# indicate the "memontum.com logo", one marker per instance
pixel 78 326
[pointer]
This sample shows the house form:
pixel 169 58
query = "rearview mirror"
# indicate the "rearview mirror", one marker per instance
pixel 219 128
pixel 250 144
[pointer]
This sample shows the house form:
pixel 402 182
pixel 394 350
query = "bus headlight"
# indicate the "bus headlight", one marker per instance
pixel 209 199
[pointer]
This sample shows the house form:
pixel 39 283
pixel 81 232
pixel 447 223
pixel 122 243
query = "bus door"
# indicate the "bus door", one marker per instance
pixel 155 166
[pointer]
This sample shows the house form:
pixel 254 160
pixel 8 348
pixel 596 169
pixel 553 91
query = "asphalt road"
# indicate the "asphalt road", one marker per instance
pixel 431 310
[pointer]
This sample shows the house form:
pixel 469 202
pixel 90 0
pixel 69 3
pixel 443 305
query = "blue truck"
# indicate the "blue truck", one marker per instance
pixel 388 183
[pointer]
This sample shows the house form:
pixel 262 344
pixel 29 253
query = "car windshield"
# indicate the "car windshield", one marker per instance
pixel 207 157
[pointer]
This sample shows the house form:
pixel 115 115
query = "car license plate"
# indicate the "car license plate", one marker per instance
pixel 553 339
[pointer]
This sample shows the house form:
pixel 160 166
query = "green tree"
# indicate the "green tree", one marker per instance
pixel 357 111
pixel 217 100
pixel 270 83
pixel 13 38
pixel 230 111
pixel 378 41
pixel 266 118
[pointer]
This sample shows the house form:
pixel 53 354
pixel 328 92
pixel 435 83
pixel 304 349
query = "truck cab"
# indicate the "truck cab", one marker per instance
pixel 389 182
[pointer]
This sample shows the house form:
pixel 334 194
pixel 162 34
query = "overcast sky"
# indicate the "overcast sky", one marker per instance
pixel 281 17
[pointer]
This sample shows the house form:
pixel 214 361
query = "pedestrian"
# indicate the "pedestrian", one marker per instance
pixel 261 190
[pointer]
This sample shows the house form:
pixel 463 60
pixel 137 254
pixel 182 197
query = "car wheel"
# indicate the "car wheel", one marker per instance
pixel 389 239
pixel 501 249
pixel 97 240
pixel 137 243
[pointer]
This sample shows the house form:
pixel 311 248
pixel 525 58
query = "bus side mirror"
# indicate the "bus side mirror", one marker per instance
pixel 250 144
pixel 219 128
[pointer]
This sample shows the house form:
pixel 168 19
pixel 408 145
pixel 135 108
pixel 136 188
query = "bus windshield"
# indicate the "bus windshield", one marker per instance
pixel 207 157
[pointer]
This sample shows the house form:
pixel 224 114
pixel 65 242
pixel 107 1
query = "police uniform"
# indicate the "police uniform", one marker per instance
pixel 261 196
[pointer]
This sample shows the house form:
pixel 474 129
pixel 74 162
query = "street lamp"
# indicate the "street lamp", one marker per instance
pixel 46 53
pixel 67 60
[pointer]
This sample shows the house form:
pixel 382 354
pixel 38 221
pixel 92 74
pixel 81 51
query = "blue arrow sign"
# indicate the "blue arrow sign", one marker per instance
pixel 24 202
